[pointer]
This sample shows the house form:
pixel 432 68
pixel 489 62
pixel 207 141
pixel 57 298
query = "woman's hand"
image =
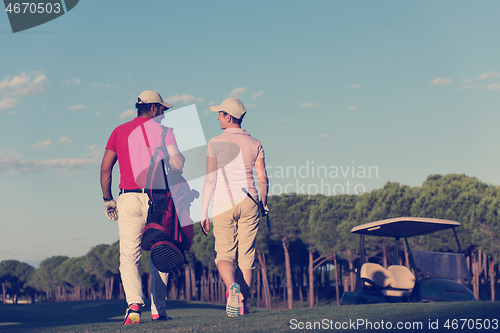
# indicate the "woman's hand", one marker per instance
pixel 205 224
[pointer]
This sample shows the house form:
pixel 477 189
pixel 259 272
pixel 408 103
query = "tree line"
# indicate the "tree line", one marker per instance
pixel 309 253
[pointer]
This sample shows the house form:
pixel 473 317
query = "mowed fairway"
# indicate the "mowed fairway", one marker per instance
pixel 107 316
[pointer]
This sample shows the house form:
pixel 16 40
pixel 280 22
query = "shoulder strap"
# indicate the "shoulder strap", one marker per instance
pixel 153 165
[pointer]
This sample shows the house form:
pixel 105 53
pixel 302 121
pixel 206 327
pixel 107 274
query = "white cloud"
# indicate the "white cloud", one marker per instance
pixel 15 87
pixel 441 81
pixel 128 114
pixel 355 85
pixel 488 75
pixel 307 105
pixel 493 86
pixel 184 99
pixel 100 84
pixel 9 160
pixel 258 94
pixel 74 81
pixel 238 92
pixel 65 139
pixel 284 120
pixel 352 107
pixel 42 144
pixel 14 163
pixel 48 143
pixel 77 107
pixel 15 82
pixel 65 163
pixel 8 103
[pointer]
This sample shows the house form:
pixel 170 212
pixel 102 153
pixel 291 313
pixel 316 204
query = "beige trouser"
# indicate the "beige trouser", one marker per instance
pixel 235 231
pixel 132 213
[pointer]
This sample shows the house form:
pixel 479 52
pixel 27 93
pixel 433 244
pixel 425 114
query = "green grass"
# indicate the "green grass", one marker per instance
pixel 107 316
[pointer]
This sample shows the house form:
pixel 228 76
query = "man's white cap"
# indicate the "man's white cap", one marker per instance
pixel 151 96
pixel 233 106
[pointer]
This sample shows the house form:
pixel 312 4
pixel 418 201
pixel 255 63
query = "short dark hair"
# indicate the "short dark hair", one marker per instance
pixel 235 120
pixel 145 108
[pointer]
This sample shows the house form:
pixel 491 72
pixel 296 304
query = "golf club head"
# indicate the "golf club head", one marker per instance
pixel 246 192
pixel 248 195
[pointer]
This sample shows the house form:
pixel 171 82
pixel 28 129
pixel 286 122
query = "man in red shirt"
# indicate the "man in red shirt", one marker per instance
pixel 132 145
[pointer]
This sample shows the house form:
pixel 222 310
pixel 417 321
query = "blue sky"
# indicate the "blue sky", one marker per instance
pixel 403 89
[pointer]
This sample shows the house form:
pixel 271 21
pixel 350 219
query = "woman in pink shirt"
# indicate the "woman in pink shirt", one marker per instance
pixel 231 158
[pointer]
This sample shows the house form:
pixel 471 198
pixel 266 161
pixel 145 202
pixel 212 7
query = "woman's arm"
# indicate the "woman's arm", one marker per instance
pixel 208 189
pixel 260 169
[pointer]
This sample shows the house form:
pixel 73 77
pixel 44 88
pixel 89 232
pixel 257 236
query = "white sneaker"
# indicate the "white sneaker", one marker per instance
pixel 233 305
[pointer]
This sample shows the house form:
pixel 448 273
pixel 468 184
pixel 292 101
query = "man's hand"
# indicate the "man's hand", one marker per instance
pixel 110 209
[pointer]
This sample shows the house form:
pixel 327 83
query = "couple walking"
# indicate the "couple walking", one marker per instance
pixel 231 159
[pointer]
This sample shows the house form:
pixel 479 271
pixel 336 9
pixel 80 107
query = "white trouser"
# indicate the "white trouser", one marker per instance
pixel 132 213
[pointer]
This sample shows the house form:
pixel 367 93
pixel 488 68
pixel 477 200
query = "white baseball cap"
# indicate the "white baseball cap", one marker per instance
pixel 151 96
pixel 233 106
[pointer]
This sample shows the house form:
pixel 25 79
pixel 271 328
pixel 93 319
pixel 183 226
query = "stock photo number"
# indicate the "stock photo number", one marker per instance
pixel 33 8
pixel 26 15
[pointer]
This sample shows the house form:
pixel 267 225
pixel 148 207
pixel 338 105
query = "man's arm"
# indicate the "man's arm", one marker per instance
pixel 108 162
pixel 260 169
pixel 175 159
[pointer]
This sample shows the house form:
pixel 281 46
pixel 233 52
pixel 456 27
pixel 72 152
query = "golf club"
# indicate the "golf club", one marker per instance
pixel 203 229
pixel 261 207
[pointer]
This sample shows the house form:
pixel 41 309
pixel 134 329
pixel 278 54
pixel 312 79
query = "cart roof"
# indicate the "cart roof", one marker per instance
pixel 413 226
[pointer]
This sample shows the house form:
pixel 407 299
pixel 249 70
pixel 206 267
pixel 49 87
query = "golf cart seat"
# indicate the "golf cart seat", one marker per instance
pixel 396 281
pixel 374 278
pixel 402 282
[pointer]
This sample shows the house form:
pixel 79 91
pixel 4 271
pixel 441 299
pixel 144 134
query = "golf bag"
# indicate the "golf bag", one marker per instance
pixel 169 228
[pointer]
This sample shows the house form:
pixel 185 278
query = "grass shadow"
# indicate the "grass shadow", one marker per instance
pixel 29 316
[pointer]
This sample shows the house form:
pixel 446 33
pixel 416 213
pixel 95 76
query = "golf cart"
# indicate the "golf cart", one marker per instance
pixel 436 277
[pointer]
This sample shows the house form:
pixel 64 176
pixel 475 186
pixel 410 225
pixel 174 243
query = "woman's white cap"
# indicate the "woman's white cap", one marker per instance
pixel 233 106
